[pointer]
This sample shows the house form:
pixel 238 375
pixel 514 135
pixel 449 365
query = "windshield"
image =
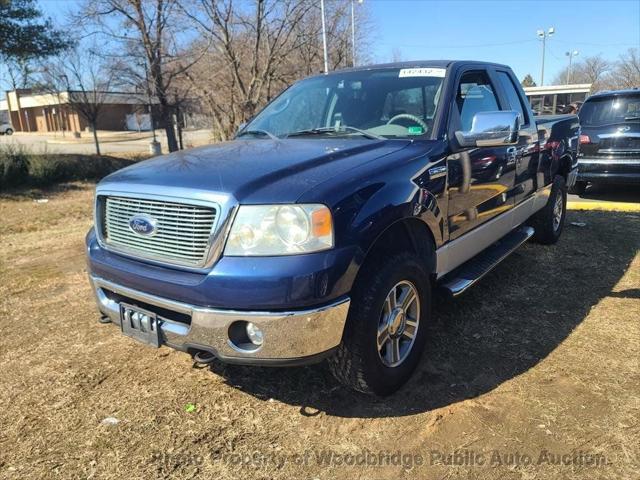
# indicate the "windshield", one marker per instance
pixel 607 110
pixel 392 103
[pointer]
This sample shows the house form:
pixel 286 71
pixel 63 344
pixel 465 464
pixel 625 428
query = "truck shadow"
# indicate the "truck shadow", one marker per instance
pixel 504 326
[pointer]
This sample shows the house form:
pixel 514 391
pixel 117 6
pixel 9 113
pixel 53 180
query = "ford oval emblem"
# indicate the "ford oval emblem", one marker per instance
pixel 143 225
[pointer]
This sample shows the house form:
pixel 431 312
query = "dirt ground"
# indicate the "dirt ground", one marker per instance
pixel 533 374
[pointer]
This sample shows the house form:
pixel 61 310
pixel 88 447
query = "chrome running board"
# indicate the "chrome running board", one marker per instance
pixel 463 277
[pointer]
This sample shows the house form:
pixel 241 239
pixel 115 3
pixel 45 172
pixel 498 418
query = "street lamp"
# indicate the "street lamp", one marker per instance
pixel 542 35
pixel 571 54
pixel 353 33
pixel 324 39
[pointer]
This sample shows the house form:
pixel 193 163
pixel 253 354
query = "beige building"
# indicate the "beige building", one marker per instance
pixel 50 112
pixel 553 99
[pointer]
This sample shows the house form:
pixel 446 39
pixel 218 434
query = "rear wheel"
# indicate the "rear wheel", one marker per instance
pixel 386 329
pixel 579 188
pixel 549 222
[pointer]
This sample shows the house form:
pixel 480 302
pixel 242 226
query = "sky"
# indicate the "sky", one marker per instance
pixel 502 31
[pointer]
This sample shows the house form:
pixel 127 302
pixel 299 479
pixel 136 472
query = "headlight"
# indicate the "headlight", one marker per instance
pixel 280 230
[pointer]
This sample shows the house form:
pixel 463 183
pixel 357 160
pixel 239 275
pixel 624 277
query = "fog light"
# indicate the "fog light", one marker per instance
pixel 254 334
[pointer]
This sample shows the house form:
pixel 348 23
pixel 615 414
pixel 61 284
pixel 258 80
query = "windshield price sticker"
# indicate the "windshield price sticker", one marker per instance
pixel 422 72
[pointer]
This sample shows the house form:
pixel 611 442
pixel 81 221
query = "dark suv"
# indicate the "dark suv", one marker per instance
pixel 610 139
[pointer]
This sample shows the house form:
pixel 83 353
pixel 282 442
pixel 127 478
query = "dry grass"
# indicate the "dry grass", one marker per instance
pixel 543 354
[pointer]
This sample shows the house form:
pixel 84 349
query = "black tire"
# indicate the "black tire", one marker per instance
pixel 8 131
pixel 357 362
pixel 548 227
pixel 579 188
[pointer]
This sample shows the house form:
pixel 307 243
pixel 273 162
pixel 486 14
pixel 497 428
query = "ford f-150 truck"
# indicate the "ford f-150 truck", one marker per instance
pixel 322 229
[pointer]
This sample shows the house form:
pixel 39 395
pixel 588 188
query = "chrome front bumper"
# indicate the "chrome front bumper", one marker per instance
pixel 290 338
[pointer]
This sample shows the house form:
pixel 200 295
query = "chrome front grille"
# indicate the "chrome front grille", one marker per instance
pixel 182 231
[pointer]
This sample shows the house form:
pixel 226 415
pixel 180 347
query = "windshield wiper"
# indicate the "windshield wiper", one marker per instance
pixel 342 128
pixel 258 132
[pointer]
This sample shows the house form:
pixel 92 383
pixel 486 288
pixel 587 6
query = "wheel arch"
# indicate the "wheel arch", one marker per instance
pixel 564 165
pixel 409 234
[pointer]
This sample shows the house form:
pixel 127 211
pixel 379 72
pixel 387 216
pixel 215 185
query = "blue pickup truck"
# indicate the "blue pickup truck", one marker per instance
pixel 322 230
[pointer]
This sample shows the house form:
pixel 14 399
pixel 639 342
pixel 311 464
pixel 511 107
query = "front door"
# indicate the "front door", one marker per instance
pixel 493 169
pixel 526 151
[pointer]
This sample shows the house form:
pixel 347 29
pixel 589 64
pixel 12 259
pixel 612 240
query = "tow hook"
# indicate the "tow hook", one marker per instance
pixel 203 357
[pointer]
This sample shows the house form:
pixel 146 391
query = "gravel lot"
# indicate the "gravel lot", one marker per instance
pixel 533 374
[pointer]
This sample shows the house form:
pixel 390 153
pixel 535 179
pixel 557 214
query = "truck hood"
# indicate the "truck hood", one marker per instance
pixel 256 170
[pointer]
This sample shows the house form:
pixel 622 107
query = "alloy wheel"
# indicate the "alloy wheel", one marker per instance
pixel 398 324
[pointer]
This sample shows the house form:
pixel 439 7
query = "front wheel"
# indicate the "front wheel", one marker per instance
pixel 549 222
pixel 386 329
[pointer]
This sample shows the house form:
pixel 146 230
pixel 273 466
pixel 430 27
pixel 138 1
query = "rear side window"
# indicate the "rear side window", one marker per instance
pixel 475 94
pixel 608 110
pixel 515 102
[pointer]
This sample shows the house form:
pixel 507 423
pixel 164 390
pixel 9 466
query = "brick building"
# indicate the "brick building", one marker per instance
pixel 28 111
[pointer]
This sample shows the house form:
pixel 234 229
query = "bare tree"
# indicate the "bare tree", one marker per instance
pixel 81 79
pixel 396 54
pixel 626 73
pixel 19 72
pixel 145 32
pixel 258 48
pixel 603 74
pixel 593 70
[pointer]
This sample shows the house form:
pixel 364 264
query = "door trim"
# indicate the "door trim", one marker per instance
pixel 456 252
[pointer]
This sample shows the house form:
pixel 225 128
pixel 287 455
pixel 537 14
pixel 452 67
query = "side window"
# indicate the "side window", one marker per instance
pixel 515 103
pixel 475 94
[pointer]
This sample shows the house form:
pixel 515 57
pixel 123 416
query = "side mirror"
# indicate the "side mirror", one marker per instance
pixel 491 129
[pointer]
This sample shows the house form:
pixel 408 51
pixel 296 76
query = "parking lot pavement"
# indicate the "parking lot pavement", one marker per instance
pixel 110 142
pixel 607 197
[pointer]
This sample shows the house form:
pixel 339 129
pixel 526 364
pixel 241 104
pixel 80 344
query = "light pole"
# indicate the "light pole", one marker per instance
pixel 324 39
pixel 154 147
pixel 571 54
pixel 353 32
pixel 542 35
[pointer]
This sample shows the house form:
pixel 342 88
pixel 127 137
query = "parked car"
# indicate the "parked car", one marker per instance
pixel 6 129
pixel 322 229
pixel 610 139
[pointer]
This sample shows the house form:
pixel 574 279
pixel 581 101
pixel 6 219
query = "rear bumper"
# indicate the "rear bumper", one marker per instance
pixel 630 178
pixel 290 338
pixel 609 170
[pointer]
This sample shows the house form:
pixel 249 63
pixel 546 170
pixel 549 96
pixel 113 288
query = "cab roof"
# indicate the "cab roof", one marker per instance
pixel 613 93
pixel 420 63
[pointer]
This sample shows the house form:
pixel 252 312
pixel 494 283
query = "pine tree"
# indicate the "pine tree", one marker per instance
pixel 25 33
pixel 527 81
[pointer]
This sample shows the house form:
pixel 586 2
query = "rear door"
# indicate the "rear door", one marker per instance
pixel 492 168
